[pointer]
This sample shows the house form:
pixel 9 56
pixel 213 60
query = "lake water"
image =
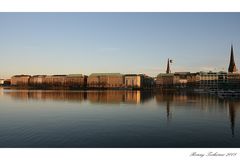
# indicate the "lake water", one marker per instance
pixel 117 119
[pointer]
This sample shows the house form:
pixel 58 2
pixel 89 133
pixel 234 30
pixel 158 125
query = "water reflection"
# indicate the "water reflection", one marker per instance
pixel 205 102
pixel 110 97
pixel 232 115
pixel 201 116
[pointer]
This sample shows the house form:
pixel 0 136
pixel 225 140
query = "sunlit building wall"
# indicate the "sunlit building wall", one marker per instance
pixel 20 80
pixel 105 80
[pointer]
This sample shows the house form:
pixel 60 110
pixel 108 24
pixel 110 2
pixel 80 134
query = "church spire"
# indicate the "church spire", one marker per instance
pixel 232 67
pixel 168 68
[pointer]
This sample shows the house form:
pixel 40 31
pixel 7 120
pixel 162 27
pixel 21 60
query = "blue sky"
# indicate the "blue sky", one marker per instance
pixel 65 43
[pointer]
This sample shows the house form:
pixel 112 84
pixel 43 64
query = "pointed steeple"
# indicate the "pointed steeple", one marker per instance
pixel 232 66
pixel 168 68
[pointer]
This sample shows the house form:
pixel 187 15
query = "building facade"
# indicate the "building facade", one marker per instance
pixel 233 81
pixel 20 80
pixel 138 81
pixel 166 80
pixel 211 80
pixel 54 81
pixel 133 81
pixel 7 82
pixel 76 81
pixel 37 80
pixel 105 80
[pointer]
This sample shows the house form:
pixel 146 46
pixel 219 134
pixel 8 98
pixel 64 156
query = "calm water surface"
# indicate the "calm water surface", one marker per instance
pixel 116 119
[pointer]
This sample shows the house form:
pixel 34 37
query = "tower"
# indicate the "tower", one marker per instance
pixel 232 66
pixel 168 68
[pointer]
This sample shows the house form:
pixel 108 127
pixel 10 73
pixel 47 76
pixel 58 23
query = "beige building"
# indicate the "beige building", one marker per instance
pixel 20 80
pixel 138 81
pixel 36 80
pixel 54 81
pixel 133 80
pixel 105 80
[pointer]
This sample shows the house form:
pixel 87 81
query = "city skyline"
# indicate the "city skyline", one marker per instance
pixel 66 43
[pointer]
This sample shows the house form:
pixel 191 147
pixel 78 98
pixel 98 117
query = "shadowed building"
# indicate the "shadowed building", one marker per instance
pixel 7 82
pixel 166 80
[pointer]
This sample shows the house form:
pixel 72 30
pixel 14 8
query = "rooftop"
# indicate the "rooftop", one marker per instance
pixel 75 75
pixel 105 74
pixel 165 74
pixel 22 75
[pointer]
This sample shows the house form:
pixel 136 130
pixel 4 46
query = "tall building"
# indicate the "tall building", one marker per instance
pixel 232 66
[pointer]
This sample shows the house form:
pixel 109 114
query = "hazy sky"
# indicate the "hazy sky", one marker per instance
pixel 65 43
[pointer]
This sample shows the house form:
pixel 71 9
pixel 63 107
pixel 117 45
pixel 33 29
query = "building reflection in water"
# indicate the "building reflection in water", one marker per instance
pixel 168 111
pixel 1 91
pixel 105 97
pixel 204 102
pixel 232 114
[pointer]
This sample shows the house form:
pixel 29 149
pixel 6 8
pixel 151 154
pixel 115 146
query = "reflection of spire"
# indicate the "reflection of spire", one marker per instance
pixel 232 116
pixel 232 67
pixel 168 111
pixel 168 68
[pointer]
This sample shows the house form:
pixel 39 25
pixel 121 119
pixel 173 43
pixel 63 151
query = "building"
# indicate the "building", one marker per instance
pixel 181 79
pixel 138 81
pixel 233 81
pixel 133 81
pixel 7 82
pixel 54 81
pixel 166 80
pixel 105 80
pixel 211 80
pixel 176 80
pixel 20 80
pixel 37 80
pixel 76 81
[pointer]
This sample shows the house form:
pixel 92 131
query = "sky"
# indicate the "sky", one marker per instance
pixel 85 43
